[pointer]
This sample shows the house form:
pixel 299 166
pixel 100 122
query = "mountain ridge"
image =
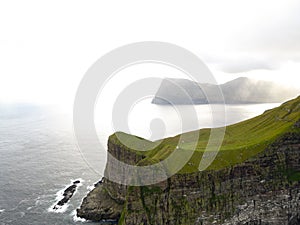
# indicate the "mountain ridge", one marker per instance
pixel 242 90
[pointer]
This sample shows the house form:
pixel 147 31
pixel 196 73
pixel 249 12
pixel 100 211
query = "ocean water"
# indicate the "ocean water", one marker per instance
pixel 39 156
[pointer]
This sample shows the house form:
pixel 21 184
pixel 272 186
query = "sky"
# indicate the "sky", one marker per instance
pixel 47 46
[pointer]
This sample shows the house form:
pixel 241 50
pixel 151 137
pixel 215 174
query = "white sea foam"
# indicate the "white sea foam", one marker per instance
pixel 76 218
pixel 90 187
pixel 58 209
pixel 22 214
pixel 2 210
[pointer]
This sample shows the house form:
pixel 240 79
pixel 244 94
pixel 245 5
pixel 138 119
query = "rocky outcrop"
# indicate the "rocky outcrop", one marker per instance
pixel 265 189
pixel 101 203
pixel 67 195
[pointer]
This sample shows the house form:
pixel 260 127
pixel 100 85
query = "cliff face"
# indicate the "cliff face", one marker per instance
pixel 265 189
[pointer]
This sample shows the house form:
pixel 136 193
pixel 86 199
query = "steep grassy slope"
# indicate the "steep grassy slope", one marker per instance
pixel 241 140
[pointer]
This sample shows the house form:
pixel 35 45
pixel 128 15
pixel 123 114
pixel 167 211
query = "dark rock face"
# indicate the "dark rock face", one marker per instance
pixel 263 190
pixel 297 124
pixel 100 204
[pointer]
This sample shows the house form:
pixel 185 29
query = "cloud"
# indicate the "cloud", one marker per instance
pixel 276 38
pixel 238 63
pixel 268 40
pixel 245 66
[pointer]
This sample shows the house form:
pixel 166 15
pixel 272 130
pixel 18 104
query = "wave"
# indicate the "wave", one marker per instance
pixel 91 187
pixel 76 218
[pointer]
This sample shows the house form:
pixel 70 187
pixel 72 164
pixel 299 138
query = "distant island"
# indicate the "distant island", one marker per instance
pixel 239 91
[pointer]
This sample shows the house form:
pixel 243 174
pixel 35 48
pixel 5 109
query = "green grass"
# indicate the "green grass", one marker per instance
pixel 241 141
pixel 292 175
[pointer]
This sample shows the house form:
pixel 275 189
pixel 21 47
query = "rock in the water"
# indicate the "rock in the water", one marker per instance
pixel 67 195
pixel 76 182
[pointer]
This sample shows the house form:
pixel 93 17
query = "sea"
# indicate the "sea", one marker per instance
pixel 40 157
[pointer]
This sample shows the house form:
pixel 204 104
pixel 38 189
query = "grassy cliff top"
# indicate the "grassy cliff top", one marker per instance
pixel 241 141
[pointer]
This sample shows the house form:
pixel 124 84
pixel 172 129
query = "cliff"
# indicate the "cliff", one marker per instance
pixel 257 187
